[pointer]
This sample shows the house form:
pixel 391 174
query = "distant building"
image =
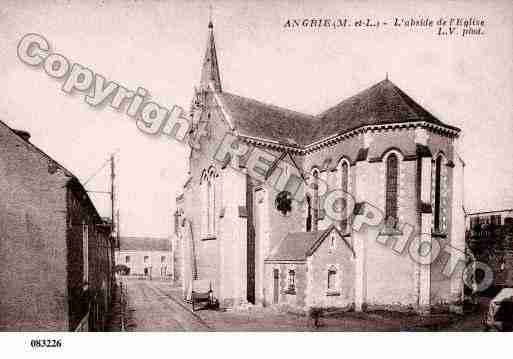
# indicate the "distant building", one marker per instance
pixel 56 253
pixel 146 256
pixel 490 238
pixel 479 220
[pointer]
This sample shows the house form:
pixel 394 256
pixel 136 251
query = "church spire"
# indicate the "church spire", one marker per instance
pixel 210 70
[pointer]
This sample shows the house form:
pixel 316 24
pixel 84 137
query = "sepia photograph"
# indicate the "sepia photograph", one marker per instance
pixel 255 167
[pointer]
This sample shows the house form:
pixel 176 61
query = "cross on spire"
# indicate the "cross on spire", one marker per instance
pixel 210 77
pixel 210 24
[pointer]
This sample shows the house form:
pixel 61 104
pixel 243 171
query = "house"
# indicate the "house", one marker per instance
pixel 151 257
pixel 489 237
pixel 309 269
pixel 259 174
pixel 56 253
pixel 479 221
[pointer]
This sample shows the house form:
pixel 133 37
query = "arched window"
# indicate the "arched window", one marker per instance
pixel 315 204
pixel 208 203
pixel 211 189
pixel 344 186
pixel 344 176
pixel 308 214
pixel 204 204
pixel 437 217
pixel 392 172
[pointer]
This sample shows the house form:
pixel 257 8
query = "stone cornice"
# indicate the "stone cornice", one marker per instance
pixel 272 145
pixel 334 139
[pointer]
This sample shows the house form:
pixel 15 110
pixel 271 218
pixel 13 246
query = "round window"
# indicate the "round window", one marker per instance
pixel 283 202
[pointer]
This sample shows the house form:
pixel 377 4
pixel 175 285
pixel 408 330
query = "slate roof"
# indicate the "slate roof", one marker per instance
pixel 144 244
pixel 379 104
pixel 258 119
pixel 299 245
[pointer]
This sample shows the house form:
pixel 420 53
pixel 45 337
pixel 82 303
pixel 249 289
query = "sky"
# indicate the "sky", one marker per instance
pixel 159 45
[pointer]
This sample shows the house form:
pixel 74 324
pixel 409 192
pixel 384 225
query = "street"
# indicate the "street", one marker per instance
pixel 150 308
pixel 156 305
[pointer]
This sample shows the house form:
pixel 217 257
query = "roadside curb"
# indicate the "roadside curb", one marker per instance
pixel 179 302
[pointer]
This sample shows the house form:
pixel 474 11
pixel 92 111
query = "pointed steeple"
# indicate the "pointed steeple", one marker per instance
pixel 210 69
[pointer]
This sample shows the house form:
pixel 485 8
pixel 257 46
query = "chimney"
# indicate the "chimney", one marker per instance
pixel 23 134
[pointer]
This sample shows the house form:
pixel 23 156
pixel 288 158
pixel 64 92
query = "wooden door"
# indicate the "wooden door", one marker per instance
pixel 276 285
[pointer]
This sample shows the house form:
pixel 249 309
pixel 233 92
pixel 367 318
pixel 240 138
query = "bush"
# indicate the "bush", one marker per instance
pixel 121 269
pixel 315 314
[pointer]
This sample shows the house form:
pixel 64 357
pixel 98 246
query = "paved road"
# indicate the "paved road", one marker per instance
pixel 151 308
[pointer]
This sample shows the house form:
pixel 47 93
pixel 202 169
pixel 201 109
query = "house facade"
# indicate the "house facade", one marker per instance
pixel 478 221
pixel 489 237
pixel 56 253
pixel 311 269
pixel 377 166
pixel 151 257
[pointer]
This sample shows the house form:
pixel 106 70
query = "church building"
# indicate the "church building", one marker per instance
pixel 260 239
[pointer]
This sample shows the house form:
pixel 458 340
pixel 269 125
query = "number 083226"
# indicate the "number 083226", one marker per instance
pixel 45 343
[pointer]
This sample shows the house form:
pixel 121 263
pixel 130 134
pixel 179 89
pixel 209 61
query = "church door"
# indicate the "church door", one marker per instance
pixel 276 285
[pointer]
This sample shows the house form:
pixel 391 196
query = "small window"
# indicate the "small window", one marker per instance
pixel 162 259
pixel 127 259
pixel 146 258
pixel 333 243
pixel 332 278
pixel 292 280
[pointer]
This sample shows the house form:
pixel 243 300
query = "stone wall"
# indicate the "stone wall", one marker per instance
pixel 42 213
pixel 326 257
pixel 382 276
pixel 96 295
pixel 33 239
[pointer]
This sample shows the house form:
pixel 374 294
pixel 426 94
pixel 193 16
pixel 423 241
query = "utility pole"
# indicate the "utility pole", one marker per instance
pixel 112 197
pixel 118 226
